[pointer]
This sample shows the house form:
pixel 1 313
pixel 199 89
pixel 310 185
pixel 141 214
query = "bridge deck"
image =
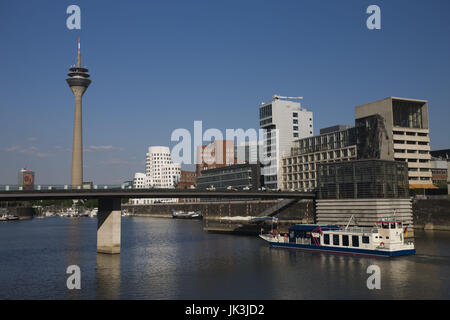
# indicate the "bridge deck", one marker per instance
pixel 24 195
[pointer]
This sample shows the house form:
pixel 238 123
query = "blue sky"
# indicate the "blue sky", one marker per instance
pixel 159 65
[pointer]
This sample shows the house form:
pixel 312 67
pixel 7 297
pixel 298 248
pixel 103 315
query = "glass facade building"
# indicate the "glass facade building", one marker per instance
pixel 363 179
pixel 237 176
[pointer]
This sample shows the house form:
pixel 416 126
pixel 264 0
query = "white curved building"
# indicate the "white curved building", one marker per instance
pixel 160 172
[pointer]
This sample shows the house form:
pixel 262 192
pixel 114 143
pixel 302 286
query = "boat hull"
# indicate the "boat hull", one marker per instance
pixel 187 217
pixel 340 250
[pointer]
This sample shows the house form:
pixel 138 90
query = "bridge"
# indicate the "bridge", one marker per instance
pixel 109 202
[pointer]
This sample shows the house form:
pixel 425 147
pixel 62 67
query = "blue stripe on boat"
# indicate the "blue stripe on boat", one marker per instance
pixel 341 250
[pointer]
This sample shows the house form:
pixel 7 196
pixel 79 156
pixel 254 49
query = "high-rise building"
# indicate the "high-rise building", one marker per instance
pixel 248 152
pixel 397 129
pixel 78 82
pixel 283 121
pixel 218 153
pixel 160 172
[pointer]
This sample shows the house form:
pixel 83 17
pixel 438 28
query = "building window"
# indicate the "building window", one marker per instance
pixel 295 128
pixel 295 115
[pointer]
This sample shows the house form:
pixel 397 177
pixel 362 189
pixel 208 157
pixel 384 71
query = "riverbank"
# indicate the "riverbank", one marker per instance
pixel 428 214
pixel 432 213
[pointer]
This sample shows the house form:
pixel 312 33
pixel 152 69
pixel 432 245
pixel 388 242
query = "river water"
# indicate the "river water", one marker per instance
pixel 176 259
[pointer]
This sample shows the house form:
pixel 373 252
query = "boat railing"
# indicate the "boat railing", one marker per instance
pixel 358 229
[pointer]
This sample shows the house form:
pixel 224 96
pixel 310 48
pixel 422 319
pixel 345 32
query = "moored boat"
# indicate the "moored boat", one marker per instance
pixel 386 239
pixel 9 217
pixel 187 215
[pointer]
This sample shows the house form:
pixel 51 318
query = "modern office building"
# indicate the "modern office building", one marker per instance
pixel 439 172
pixel 299 168
pixel 248 152
pixel 217 154
pixel 362 179
pixel 360 192
pixel 283 121
pixel 26 179
pixel 397 129
pixel 238 176
pixel 160 172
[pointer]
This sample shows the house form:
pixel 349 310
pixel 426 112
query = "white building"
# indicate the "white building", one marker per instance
pixel 248 152
pixel 283 121
pixel 140 180
pixel 160 172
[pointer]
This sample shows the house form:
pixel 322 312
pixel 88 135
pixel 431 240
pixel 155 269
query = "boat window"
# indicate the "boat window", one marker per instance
pixel 392 225
pixel 326 239
pixel 399 225
pixel 355 241
pixel 385 225
pixel 335 239
pixel 387 237
pixel 365 239
pixel 345 240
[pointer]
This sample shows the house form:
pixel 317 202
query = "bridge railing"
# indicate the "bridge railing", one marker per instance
pixel 15 187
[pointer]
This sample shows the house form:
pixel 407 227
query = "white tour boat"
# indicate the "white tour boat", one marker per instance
pixel 386 238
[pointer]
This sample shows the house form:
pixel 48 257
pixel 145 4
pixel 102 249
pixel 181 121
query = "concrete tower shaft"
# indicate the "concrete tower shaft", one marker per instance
pixel 78 82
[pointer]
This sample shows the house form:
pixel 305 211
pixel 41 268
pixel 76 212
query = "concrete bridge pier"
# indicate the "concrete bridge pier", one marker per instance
pixel 108 225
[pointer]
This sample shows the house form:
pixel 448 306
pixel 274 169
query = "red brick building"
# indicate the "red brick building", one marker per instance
pixel 187 179
pixel 217 154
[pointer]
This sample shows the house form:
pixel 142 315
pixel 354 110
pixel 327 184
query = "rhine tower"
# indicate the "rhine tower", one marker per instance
pixel 78 82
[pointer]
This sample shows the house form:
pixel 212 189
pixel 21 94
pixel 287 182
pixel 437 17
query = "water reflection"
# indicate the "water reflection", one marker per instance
pixel 73 239
pixel 176 259
pixel 108 276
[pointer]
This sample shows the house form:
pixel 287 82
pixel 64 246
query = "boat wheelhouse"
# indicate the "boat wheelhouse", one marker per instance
pixel 386 238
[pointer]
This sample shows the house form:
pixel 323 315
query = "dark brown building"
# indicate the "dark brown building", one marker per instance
pixel 187 179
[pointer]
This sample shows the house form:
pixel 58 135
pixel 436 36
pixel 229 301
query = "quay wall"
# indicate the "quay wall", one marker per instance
pixel 428 214
pixel 231 216
pixel 432 214
pixel 24 213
